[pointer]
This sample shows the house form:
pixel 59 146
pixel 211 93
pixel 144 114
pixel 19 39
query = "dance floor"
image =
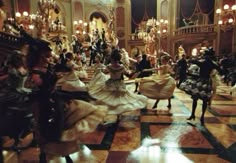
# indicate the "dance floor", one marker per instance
pixel 177 140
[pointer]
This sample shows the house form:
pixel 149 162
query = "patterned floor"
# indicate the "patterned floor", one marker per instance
pixel 174 139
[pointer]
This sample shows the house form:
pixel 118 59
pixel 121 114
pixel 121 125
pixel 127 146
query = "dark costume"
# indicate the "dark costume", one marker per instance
pixel 182 69
pixel 200 87
pixel 143 64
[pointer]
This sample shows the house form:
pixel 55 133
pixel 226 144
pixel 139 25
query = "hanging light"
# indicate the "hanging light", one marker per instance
pixel 226 16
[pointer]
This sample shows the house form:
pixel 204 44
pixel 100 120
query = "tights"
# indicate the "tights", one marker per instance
pixel 194 106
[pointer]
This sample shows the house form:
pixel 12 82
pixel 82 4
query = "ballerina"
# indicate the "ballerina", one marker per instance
pixel 113 92
pixel 201 88
pixel 160 85
pixel 79 116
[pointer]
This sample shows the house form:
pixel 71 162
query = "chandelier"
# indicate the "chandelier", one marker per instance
pixel 158 26
pixel 24 20
pixel 41 20
pixel 226 17
pixel 81 30
pixel 156 30
pixel 80 27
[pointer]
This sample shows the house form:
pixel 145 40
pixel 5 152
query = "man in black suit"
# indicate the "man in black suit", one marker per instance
pixel 182 69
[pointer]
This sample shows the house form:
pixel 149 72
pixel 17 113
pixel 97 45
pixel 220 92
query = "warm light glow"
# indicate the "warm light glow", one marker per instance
pixel 151 152
pixel 85 24
pixel 231 20
pixel 226 6
pixel 220 22
pixel 218 11
pixel 166 22
pixel 194 52
pixel 84 32
pixel 31 27
pixel 18 14
pixel 77 31
pixel 75 22
pixel 157 23
pixel 159 31
pixel 234 7
pixel 164 30
pixel 80 21
pixel 33 16
pixel 162 20
pixel 25 13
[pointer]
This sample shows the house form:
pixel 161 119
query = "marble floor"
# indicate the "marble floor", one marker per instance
pixel 157 136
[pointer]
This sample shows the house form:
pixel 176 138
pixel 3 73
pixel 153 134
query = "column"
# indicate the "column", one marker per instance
pixel 218 4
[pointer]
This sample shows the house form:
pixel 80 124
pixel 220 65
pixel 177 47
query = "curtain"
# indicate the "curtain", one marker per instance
pixel 23 5
pixel 142 10
pixel 190 7
pixel 137 12
pixel 206 6
pixel 187 8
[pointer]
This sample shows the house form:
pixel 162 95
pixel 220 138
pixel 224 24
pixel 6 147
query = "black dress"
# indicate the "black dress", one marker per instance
pixel 200 87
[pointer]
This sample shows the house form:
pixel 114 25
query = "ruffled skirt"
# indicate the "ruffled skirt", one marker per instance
pixel 114 94
pixel 70 82
pixel 157 87
pixel 82 117
pixel 198 88
pixel 98 78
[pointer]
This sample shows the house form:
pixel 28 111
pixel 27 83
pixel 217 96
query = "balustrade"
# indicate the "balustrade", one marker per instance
pixel 10 39
pixel 195 29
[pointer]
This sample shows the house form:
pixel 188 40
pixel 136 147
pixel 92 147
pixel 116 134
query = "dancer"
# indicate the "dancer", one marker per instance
pixel 74 63
pixel 99 75
pixel 113 92
pixel 142 64
pixel 79 116
pixel 201 87
pixel 160 85
pixel 14 90
pixel 182 69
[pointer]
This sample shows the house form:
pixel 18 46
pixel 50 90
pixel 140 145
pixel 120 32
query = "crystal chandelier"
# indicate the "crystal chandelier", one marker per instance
pixel 159 26
pixel 226 16
pixel 41 20
pixel 156 30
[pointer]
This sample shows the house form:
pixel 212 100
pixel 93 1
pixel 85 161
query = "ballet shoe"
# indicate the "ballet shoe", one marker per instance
pixel 191 117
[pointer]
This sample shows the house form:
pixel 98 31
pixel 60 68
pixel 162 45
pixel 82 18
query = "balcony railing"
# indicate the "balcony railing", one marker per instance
pixel 195 29
pixel 9 39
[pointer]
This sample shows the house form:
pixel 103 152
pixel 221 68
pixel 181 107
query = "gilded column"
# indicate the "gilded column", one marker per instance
pixel 218 4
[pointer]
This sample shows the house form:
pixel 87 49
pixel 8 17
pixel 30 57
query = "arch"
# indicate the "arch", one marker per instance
pixel 101 20
pixel 98 15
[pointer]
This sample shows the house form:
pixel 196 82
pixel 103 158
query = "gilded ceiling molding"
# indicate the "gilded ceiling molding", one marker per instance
pixel 68 1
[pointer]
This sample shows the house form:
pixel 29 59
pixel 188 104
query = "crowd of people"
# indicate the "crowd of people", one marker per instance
pixel 42 77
